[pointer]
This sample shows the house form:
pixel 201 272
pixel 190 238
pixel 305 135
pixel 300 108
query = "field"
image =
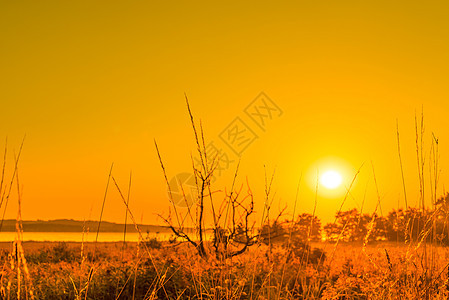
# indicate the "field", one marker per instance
pixel 164 270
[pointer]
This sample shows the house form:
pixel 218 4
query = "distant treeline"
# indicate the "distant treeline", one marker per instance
pixel 351 226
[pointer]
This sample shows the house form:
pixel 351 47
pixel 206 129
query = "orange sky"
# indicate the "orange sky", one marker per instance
pixel 94 82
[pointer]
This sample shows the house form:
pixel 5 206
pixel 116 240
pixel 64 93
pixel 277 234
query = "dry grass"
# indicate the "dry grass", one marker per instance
pixel 382 271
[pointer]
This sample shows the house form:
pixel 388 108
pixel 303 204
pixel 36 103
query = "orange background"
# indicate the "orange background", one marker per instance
pixel 91 83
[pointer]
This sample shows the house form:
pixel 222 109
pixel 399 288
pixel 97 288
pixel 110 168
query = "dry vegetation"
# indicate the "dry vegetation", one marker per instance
pixel 175 271
pixel 272 257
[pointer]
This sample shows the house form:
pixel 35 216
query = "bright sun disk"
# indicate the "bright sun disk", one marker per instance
pixel 331 179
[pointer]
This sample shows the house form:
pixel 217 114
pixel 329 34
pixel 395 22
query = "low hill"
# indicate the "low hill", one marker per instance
pixel 68 225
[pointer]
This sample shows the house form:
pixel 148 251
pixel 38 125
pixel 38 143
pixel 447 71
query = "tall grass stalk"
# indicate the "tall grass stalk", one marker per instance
pixel 158 282
pixel 400 163
pixel 290 236
pixel 5 196
pixel 91 272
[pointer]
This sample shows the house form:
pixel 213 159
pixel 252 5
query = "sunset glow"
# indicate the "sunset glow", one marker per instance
pixel 224 150
pixel 313 86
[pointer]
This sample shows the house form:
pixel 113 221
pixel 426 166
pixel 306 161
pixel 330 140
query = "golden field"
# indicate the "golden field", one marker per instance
pixel 163 270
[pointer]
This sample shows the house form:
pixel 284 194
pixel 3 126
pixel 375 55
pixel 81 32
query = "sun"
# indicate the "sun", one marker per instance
pixel 331 179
